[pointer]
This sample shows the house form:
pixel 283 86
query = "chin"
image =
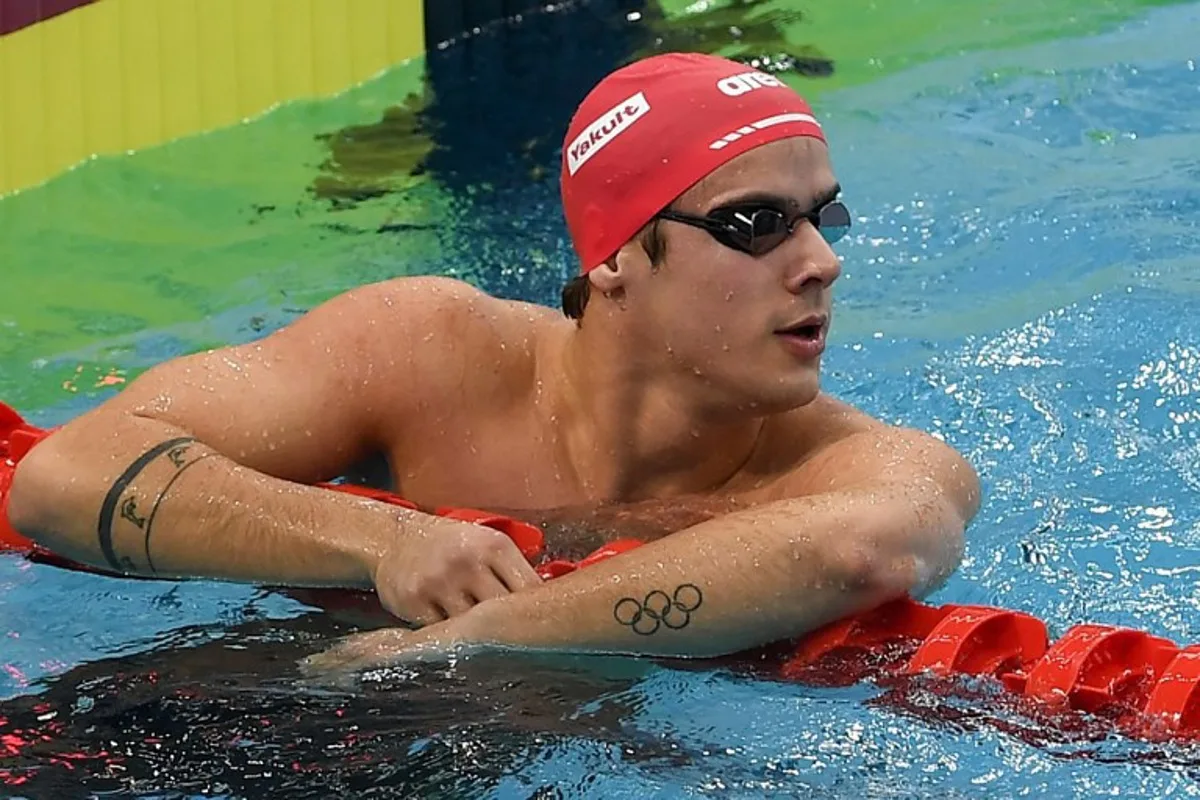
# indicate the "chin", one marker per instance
pixel 803 392
pixel 786 393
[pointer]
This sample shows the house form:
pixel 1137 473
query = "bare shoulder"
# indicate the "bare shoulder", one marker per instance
pixel 427 300
pixel 409 343
pixel 830 445
pixel 799 437
pixel 439 335
pixel 414 317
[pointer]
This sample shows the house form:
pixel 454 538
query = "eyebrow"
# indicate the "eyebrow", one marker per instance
pixel 822 197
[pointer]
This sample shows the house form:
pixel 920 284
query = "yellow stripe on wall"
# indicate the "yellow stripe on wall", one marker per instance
pixel 119 75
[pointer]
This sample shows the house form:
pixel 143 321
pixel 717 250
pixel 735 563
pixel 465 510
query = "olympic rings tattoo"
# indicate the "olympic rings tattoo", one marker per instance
pixel 658 609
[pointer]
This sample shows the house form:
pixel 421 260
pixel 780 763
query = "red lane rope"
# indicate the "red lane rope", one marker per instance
pixel 1149 686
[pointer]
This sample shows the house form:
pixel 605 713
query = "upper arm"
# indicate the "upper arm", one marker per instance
pixel 856 450
pixel 313 398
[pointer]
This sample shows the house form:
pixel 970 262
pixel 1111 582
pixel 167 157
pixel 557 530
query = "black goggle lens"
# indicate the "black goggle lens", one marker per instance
pixel 760 229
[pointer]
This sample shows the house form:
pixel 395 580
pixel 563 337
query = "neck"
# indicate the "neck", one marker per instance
pixel 636 426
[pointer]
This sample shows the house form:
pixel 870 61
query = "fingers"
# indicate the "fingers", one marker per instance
pixel 384 648
pixel 455 601
pixel 356 652
pixel 515 572
pixel 424 605
pixel 416 612
pixel 458 570
pixel 483 585
pixel 488 586
pixel 483 582
pixel 447 600
pixel 406 600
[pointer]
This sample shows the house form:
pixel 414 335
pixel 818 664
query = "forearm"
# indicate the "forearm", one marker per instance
pixel 157 502
pixel 739 581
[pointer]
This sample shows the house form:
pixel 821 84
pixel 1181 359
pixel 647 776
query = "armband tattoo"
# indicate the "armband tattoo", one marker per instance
pixel 129 503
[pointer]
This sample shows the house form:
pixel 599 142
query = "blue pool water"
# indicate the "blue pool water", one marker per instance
pixel 1022 280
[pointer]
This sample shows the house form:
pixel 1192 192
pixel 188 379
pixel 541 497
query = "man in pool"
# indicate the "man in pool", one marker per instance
pixel 702 202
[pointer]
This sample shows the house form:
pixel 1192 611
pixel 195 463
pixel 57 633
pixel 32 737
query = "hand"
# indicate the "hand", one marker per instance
pixel 387 647
pixel 441 568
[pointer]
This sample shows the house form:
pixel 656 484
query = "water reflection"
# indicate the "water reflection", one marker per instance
pixel 229 716
pixel 494 106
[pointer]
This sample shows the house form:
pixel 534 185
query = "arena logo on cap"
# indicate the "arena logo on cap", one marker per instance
pixel 608 127
pixel 737 85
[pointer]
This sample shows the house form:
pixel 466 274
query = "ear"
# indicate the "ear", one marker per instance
pixel 613 276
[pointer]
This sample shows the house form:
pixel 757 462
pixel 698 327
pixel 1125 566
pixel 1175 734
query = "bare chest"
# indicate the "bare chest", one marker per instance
pixel 512 463
pixel 519 464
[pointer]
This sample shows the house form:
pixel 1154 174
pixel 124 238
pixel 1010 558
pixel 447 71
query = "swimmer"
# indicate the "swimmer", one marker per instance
pixel 682 373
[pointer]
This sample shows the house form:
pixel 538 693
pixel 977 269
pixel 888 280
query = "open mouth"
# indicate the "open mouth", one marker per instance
pixel 811 331
pixel 806 330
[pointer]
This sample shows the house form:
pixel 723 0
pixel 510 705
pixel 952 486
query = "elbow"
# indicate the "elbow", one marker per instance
pixel 865 570
pixel 22 508
pixel 926 569
pixel 891 564
pixel 29 506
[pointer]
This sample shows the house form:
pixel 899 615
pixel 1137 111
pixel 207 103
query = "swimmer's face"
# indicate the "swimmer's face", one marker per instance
pixel 750 327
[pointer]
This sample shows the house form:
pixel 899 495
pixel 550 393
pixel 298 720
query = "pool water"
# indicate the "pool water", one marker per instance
pixel 1019 280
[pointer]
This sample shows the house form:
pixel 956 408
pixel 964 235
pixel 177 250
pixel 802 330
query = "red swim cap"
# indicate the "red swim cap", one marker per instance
pixel 650 130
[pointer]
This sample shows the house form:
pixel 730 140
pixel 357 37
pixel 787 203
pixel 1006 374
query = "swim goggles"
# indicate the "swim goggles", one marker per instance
pixel 758 229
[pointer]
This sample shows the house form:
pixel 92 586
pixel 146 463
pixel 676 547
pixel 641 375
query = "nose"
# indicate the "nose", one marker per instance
pixel 810 259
